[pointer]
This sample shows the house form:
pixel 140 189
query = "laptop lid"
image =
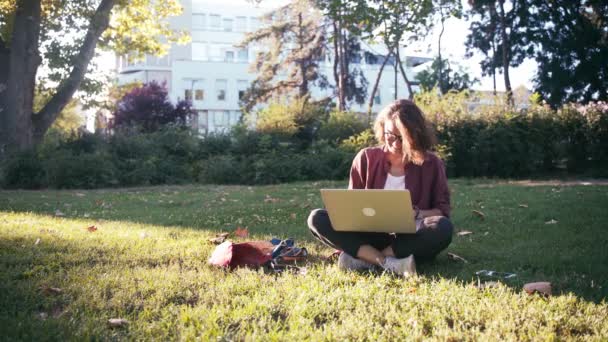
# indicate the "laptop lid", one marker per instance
pixel 370 210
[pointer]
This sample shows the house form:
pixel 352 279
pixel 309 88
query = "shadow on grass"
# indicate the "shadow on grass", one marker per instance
pixel 514 236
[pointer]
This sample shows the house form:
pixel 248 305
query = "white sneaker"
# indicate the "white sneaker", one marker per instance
pixel 347 262
pixel 405 267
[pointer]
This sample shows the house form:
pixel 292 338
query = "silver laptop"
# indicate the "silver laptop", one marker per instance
pixel 386 211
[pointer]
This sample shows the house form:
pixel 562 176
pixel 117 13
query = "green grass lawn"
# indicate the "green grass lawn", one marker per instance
pixel 146 263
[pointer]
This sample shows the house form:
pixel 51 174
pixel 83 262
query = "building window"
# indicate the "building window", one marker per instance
pixel 236 116
pixel 254 23
pixel 199 21
pixel 221 118
pixel 241 24
pixel 227 24
pixel 226 118
pixel 199 94
pixel 203 121
pixel 188 94
pixel 214 21
pixel 371 58
pixel 243 55
pixel 242 88
pixel 229 56
pixel 377 97
pixel 220 88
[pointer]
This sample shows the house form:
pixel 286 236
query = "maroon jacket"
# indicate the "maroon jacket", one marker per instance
pixel 427 183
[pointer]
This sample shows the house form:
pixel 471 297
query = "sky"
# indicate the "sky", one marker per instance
pixel 453 48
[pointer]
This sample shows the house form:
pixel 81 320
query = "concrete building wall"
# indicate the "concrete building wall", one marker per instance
pixel 212 70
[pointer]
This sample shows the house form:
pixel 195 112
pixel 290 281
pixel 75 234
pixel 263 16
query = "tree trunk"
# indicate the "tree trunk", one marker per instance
pixel 343 70
pixel 22 129
pixel 373 94
pixel 4 67
pixel 17 99
pixel 303 88
pixel 440 69
pixel 505 52
pixel 336 62
pixel 395 80
pixel 493 66
pixel 407 82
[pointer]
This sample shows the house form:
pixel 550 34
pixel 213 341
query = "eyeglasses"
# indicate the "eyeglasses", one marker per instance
pixel 390 137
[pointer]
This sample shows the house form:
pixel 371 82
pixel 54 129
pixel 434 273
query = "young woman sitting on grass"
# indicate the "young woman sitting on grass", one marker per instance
pixel 402 161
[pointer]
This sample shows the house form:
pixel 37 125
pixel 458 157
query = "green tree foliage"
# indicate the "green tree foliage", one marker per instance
pixel 68 121
pixel 294 40
pixel 340 126
pixel 348 20
pixel 61 36
pixel 499 29
pixel 440 74
pixel 573 61
pixel 298 119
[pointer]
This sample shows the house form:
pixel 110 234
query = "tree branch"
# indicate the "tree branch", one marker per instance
pixel 48 114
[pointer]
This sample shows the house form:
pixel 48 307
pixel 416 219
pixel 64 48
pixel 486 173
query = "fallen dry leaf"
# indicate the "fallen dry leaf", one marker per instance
pixel 464 232
pixel 488 285
pixel 293 216
pixel 269 199
pixel 51 290
pixel 117 322
pixel 542 287
pixel 241 232
pixel 92 229
pixel 479 213
pixel 456 257
pixel 552 221
pixel 219 238
pixel 523 205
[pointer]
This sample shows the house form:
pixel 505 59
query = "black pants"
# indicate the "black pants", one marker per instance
pixel 425 244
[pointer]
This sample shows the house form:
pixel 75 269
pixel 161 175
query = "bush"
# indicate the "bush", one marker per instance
pixel 80 171
pixel 537 142
pixel 149 108
pixel 25 171
pixel 223 169
pixel 163 157
pixel 340 126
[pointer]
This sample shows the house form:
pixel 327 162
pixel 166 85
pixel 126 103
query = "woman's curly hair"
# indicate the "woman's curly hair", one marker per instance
pixel 411 122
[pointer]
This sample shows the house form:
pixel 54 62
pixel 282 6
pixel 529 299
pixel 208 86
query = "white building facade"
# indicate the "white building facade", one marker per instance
pixel 213 72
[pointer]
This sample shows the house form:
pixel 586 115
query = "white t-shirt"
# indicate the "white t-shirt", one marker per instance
pixel 398 183
pixel 394 182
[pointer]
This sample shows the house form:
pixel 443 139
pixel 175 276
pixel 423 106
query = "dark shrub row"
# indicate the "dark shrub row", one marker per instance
pixel 528 145
pixel 573 141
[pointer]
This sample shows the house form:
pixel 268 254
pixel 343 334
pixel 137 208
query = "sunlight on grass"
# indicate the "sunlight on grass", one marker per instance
pixel 146 263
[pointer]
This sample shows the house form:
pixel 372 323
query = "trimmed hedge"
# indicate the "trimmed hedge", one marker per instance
pixel 573 141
